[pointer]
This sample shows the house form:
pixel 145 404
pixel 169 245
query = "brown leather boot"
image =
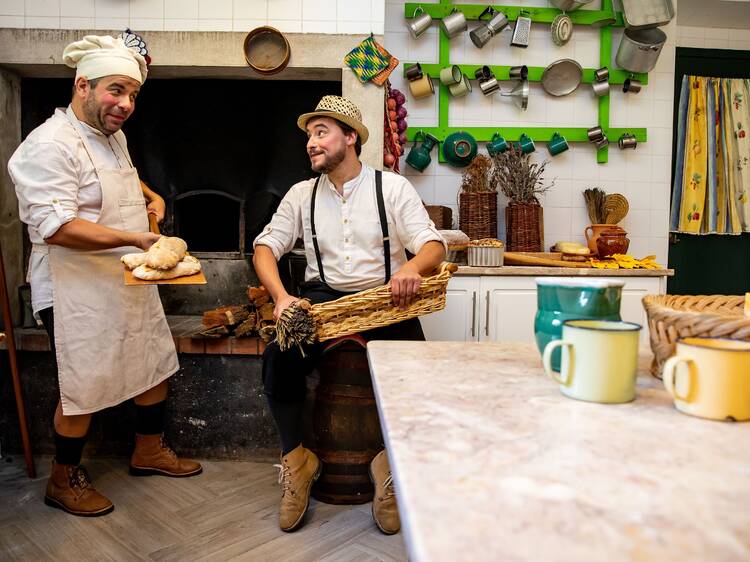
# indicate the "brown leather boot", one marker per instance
pixel 69 488
pixel 297 472
pixel 153 456
pixel 384 509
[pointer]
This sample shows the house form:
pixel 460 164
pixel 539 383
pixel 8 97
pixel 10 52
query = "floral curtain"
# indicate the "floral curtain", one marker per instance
pixel 711 193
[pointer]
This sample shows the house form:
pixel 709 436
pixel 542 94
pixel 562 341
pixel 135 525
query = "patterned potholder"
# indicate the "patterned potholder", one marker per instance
pixel 392 64
pixel 366 60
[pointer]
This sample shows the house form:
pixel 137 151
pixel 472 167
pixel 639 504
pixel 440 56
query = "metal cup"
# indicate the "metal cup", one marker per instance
pixel 627 140
pixel 483 73
pixel 602 142
pixel 600 88
pixel 602 74
pixel 595 133
pixel 490 86
pixel 422 87
pixel 632 85
pixel 557 144
pixel 454 23
pixel 414 72
pixel 420 23
pixel 450 75
pixel 519 72
pixel 460 89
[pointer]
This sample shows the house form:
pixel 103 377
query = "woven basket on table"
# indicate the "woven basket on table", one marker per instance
pixel 374 307
pixel 524 227
pixel 674 316
pixel 477 214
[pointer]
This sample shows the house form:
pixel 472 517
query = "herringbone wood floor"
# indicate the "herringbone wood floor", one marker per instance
pixel 227 513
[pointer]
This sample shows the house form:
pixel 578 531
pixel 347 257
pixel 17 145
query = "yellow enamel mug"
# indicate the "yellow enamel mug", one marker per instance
pixel 710 378
pixel 422 87
pixel 599 360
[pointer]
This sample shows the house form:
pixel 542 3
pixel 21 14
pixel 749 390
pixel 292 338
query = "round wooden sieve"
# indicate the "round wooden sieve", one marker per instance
pixel 266 50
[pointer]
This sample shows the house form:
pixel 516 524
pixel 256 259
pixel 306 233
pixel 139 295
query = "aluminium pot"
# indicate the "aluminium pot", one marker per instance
pixel 640 48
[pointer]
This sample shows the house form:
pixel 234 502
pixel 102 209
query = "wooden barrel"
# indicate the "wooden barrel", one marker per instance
pixel 345 424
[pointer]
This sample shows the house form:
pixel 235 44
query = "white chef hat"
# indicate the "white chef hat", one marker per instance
pixel 95 56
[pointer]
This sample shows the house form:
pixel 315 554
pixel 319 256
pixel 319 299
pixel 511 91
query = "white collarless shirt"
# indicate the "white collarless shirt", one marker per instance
pixel 348 228
pixel 56 182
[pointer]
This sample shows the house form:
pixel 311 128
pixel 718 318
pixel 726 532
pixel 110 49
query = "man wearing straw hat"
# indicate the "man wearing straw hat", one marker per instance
pixel 356 224
pixel 84 205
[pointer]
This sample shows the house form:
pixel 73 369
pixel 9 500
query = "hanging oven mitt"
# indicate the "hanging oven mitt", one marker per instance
pixel 392 64
pixel 366 60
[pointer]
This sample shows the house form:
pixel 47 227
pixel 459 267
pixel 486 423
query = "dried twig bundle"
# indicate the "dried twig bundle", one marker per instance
pixel 296 326
pixel 595 199
pixel 520 180
pixel 476 178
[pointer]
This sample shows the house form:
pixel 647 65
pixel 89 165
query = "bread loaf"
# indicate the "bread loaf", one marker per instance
pixel 188 266
pixel 166 253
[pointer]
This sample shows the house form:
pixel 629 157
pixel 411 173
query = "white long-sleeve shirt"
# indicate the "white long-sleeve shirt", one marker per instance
pixel 56 182
pixel 348 228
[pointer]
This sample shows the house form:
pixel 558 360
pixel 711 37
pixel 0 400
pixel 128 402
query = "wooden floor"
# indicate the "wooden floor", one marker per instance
pixel 230 512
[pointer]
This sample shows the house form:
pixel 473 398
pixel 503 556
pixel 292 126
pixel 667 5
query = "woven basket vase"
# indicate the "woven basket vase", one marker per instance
pixel 524 227
pixel 673 316
pixel 478 214
pixel 374 307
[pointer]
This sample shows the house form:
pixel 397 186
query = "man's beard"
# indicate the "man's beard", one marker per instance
pixel 95 116
pixel 330 162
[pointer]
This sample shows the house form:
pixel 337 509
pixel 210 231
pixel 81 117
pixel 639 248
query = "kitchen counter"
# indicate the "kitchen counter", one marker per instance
pixel 491 462
pixel 524 270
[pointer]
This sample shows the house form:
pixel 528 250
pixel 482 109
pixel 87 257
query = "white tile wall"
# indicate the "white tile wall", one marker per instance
pixel 642 175
pixel 292 16
pixel 713 38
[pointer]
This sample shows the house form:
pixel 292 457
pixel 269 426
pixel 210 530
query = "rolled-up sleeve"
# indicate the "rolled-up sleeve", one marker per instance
pixel 285 227
pixel 47 184
pixel 413 223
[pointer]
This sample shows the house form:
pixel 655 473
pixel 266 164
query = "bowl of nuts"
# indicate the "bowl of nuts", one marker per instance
pixel 486 252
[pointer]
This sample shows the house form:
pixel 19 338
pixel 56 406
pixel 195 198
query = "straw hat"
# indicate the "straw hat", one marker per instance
pixel 340 109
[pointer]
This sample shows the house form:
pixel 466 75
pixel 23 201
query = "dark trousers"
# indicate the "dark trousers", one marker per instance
pixel 285 372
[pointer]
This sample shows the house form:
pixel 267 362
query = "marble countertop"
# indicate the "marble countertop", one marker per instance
pixel 491 462
pixel 524 270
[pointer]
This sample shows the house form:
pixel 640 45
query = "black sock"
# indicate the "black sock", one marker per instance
pixel 68 450
pixel 288 418
pixel 149 420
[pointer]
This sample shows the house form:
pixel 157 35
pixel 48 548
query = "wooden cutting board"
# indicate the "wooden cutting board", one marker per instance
pixel 197 279
pixel 542 259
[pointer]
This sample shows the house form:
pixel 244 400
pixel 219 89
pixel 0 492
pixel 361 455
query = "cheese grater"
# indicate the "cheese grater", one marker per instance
pixel 521 32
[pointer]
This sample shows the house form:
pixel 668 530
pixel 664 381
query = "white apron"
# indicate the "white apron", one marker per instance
pixel 112 340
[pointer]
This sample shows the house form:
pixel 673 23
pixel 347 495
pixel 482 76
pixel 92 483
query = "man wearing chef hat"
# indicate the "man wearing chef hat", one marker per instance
pixel 85 207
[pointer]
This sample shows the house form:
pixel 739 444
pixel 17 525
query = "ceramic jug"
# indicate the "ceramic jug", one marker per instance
pixel 568 298
pixel 593 231
pixel 419 156
pixel 612 241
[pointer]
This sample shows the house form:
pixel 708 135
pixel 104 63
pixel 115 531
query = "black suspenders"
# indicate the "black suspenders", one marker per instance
pixel 383 226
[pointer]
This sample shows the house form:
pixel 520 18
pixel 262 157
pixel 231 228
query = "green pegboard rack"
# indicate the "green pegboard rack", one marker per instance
pixel 606 19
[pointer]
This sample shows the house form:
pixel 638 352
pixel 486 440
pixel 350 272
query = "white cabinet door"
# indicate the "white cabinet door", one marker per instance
pixel 458 321
pixel 507 308
pixel 631 307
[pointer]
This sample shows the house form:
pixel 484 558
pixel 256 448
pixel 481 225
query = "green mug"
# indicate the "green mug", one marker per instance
pixel 557 144
pixel 497 145
pixel 526 144
pixel 419 156
pixel 599 360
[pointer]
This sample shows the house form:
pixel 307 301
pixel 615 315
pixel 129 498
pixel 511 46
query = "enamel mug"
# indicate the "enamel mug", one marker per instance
pixel 450 75
pixel 710 378
pixel 599 360
pixel 422 87
pixel 557 144
pixel 460 89
pixel 454 23
pixel 497 145
pixel 526 143
pixel 420 23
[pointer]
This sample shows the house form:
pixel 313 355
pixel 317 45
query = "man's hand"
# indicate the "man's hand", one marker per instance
pixel 157 207
pixel 144 240
pixel 282 304
pixel 405 284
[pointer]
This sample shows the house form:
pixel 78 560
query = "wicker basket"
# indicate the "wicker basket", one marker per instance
pixel 441 215
pixel 374 308
pixel 477 214
pixel 673 316
pixel 524 227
